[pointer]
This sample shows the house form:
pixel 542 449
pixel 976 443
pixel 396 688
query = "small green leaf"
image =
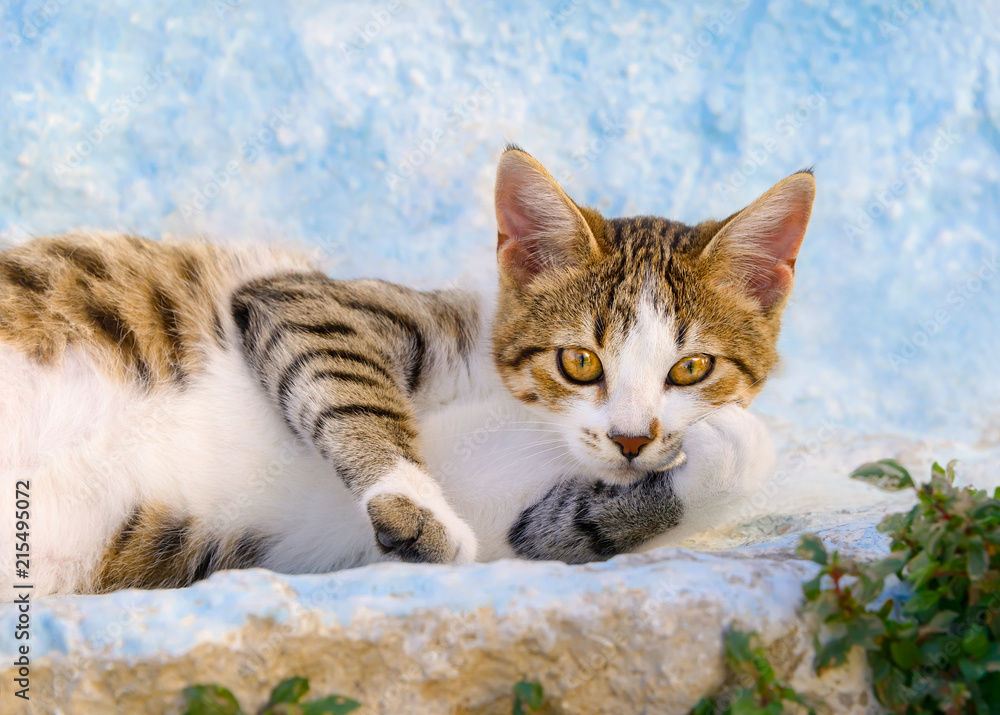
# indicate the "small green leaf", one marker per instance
pixel 906 654
pixel 941 476
pixel 892 523
pixel 832 653
pixel 739 647
pixel 745 704
pixel 330 705
pixel 894 692
pixel 812 588
pixel 210 700
pixel 528 697
pixel 863 631
pixel 921 569
pixel 942 619
pixel 826 607
pixel 921 601
pixel 283 709
pixel 977 560
pixel 976 643
pixel 993 658
pixel 867 590
pixel 891 564
pixel 971 670
pixel 289 691
pixel 886 474
pixel 879 664
pixel 812 547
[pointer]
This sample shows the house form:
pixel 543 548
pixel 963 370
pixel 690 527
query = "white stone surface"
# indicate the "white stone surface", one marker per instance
pixel 639 634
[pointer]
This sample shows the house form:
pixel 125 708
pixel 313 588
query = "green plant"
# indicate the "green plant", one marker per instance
pixel 528 697
pixel 285 700
pixel 759 693
pixel 926 614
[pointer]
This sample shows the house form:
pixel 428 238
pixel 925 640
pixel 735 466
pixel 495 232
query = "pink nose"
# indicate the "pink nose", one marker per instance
pixel 630 446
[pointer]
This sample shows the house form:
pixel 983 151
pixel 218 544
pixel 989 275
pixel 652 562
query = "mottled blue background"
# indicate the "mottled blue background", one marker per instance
pixel 372 132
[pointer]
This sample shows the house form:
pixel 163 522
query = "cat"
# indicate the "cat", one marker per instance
pixel 168 410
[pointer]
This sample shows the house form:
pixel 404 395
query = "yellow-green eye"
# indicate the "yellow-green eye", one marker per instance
pixel 690 370
pixel 579 365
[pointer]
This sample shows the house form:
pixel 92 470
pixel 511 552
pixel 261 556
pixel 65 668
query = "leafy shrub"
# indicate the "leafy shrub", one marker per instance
pixel 285 700
pixel 926 614
pixel 759 693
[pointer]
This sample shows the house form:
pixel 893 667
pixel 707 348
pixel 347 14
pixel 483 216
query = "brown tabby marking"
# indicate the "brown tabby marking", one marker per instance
pixel 142 306
pixel 157 549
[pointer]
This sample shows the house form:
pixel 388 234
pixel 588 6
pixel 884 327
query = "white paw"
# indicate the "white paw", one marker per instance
pixel 412 521
pixel 730 457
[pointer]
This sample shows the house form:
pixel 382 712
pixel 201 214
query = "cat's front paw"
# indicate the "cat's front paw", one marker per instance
pixel 729 458
pixel 413 522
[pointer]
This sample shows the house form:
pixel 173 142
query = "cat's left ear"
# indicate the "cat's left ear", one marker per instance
pixel 757 247
pixel 539 228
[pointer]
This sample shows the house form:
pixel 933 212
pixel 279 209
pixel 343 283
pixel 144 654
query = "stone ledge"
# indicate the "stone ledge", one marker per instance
pixel 640 633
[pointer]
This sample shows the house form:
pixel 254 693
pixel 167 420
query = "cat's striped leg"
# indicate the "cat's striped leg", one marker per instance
pixel 728 457
pixel 341 361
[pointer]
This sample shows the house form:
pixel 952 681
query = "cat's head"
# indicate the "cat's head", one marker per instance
pixel 627 331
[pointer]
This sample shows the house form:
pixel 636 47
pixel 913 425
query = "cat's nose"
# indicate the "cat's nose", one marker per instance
pixel 630 446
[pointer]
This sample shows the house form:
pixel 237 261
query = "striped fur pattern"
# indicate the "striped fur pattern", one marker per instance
pixel 181 408
pixel 346 364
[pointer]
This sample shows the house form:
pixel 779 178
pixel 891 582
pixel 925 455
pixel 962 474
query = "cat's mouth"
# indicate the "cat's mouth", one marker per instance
pixel 669 456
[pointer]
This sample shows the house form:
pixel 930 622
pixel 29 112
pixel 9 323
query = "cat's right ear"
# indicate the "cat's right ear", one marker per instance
pixel 538 225
pixel 757 247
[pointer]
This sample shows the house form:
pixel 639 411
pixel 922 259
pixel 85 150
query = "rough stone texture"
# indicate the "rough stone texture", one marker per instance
pixel 639 634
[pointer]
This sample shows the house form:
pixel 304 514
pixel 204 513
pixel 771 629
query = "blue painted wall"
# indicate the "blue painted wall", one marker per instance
pixel 371 131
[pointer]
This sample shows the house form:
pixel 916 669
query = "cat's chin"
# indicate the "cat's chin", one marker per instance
pixel 631 473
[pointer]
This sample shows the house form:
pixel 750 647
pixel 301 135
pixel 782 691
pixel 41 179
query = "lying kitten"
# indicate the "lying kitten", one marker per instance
pixel 169 410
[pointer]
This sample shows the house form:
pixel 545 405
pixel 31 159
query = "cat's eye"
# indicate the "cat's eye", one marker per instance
pixel 580 365
pixel 690 370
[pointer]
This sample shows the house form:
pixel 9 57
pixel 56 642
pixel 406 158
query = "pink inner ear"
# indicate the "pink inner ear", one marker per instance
pixel 517 259
pixel 538 226
pixel 516 252
pixel 774 245
pixel 770 288
pixel 512 221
